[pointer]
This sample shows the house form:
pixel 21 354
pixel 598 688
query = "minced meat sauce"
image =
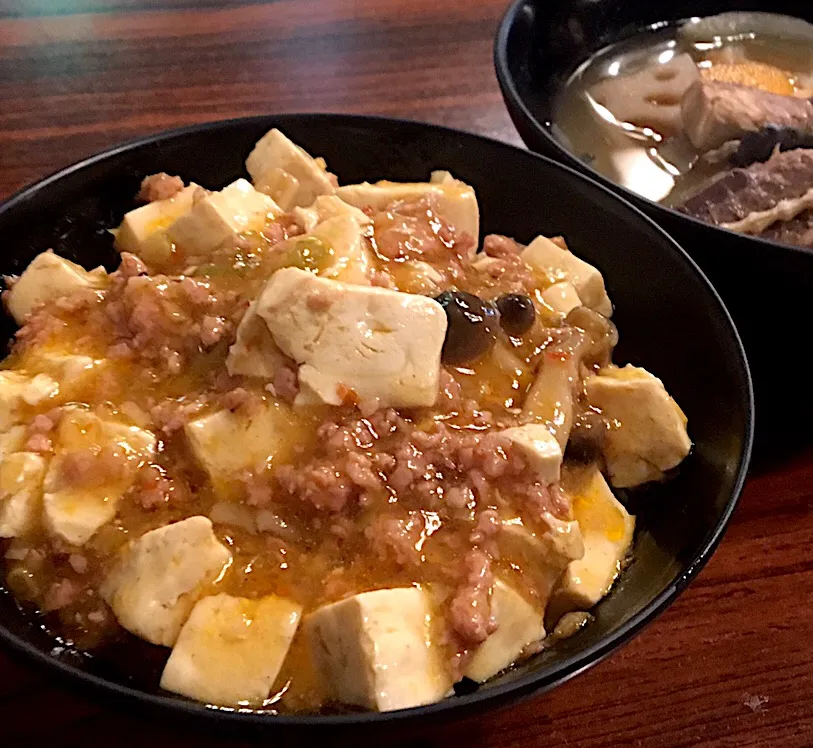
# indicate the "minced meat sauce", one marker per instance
pixel 368 497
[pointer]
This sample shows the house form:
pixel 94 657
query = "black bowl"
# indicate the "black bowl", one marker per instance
pixel 671 321
pixel 538 45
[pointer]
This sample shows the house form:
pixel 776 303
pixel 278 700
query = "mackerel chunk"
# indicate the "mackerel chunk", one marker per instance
pixel 714 113
pixel 780 184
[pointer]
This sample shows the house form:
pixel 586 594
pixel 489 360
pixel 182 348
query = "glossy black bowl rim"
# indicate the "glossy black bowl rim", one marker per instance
pixel 517 104
pixel 533 683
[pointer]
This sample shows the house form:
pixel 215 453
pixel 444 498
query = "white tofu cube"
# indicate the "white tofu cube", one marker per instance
pixel 231 649
pixel 74 373
pixel 441 176
pixel 375 650
pixel 39 389
pixel 416 276
pixel 482 262
pixel 561 297
pixel 19 391
pixel 67 367
pixel 455 201
pixel 328 206
pixel 352 258
pixel 281 169
pixel 349 260
pixel 75 508
pixel 539 448
pixel 159 577
pixel 520 625
pixel 382 345
pixel 562 265
pixel 544 556
pixel 649 429
pixel 607 529
pixel 227 443
pixel 254 352
pixel 12 441
pixel 143 231
pixel 221 216
pixel 49 277
pixel 21 476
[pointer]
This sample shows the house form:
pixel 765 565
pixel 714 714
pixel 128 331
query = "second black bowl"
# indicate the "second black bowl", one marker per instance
pixel 765 285
pixel 670 319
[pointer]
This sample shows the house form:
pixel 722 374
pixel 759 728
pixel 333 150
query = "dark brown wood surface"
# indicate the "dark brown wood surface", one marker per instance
pixel 730 664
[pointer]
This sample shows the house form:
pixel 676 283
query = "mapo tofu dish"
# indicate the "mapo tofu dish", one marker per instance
pixel 316 446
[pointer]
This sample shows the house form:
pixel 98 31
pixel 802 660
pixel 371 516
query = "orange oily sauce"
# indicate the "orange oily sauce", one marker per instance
pixel 302 558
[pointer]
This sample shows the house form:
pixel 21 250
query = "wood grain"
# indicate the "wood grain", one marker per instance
pixel 730 664
pixel 75 83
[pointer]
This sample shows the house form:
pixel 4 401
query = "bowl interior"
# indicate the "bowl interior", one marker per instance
pixel 669 318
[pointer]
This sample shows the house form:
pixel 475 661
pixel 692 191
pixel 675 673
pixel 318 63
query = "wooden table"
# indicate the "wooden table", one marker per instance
pixel 730 664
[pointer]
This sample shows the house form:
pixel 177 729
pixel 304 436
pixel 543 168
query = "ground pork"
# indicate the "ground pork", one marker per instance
pixel 242 399
pixel 89 468
pixel 496 245
pixel 470 610
pixel 39 326
pixel 450 391
pixel 486 528
pixel 39 432
pixel 130 266
pixel 159 186
pixel 414 231
pixel 398 540
pixel 386 457
pixel 256 488
pixel 319 483
pixel 60 594
pixel 78 563
pixel 504 271
pixel 212 329
pixel 286 383
pixel 38 443
pixel 152 488
pixel 162 320
pixel 171 415
pixel 97 616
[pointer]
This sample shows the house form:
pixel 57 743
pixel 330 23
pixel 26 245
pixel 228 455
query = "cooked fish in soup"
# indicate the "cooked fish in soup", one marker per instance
pixel 311 447
pixel 712 117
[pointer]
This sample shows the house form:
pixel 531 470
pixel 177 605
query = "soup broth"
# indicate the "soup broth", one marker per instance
pixel 620 111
